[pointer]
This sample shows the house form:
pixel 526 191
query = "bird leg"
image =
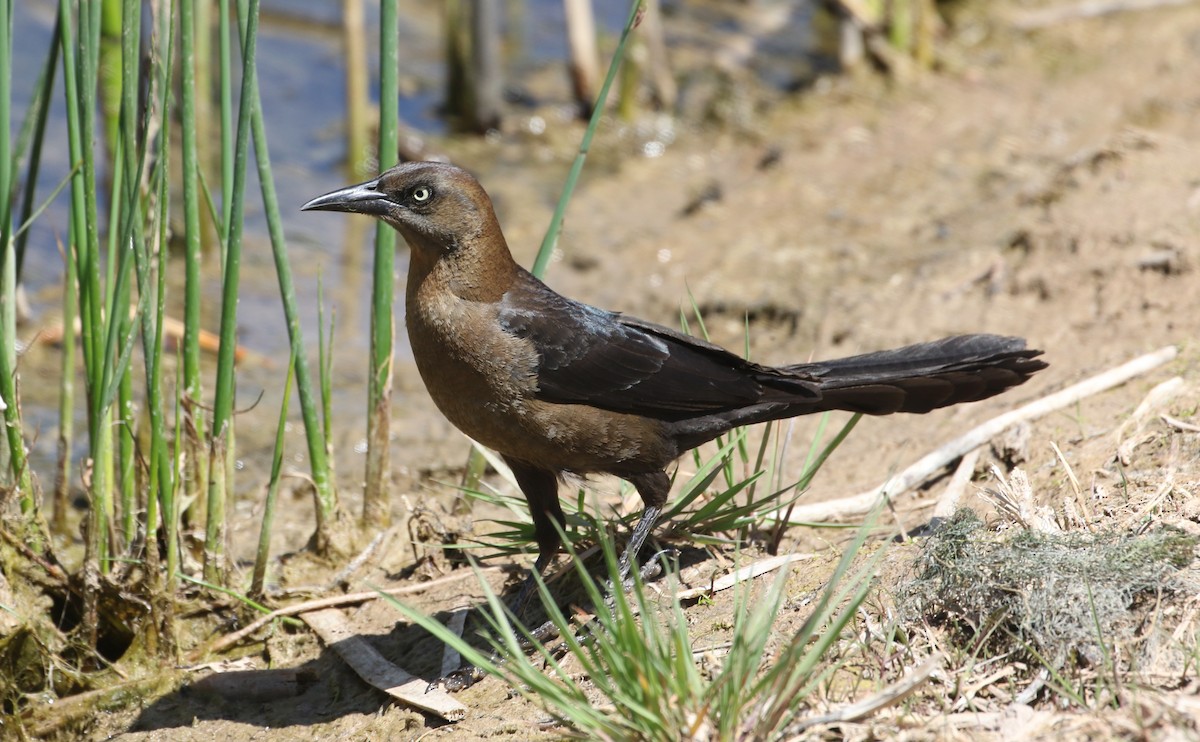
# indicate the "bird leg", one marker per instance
pixel 637 538
pixel 540 488
pixel 517 606
pixel 653 488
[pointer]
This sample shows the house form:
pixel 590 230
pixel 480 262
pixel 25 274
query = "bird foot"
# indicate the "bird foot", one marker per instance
pixel 456 680
pixel 652 568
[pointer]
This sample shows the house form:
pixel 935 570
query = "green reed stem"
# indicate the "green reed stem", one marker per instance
pixel 214 533
pixel 161 480
pixel 376 505
pixel 75 232
pixel 132 249
pixel 196 480
pixel 66 390
pixel 18 464
pixel 225 49
pixel 79 76
pixel 202 72
pixel 555 228
pixel 268 517
pixel 98 341
pixel 326 495
pixel 33 133
pixel 325 360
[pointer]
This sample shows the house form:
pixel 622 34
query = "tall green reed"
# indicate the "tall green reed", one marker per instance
pixel 220 470
pixel 18 462
pixel 327 508
pixel 376 511
pixel 116 264
pixel 195 474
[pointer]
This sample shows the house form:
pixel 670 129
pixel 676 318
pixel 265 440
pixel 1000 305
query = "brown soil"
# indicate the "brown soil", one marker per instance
pixel 1044 185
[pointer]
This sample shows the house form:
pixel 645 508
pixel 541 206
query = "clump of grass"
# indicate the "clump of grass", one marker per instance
pixel 642 679
pixel 1062 601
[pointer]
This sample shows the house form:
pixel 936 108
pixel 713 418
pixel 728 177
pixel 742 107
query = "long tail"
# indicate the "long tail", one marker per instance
pixel 923 377
pixel 915 378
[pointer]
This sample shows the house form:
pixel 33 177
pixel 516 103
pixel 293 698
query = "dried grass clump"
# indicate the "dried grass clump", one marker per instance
pixel 1055 596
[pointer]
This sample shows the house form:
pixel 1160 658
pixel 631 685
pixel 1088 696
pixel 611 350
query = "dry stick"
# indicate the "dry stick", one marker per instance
pixel 889 696
pixel 358 117
pixel 375 669
pixel 948 502
pixel 967 695
pixel 748 572
pixel 1157 398
pixel 1179 424
pixel 665 90
pixel 1087 9
pixel 343 575
pixel 737 577
pixel 1132 432
pixel 1025 697
pixel 581 45
pixel 337 601
pixel 1080 499
pixel 859 505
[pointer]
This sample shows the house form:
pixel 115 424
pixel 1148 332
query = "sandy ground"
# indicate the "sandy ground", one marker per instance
pixel 1044 185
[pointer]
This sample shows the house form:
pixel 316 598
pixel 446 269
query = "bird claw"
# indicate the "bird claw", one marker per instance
pixel 456 680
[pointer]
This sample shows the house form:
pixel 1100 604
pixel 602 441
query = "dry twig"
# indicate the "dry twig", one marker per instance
pixel 1180 424
pixel 749 572
pixel 889 696
pixel 375 669
pixel 948 502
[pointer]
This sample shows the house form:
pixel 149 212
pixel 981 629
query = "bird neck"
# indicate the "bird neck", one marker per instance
pixel 480 269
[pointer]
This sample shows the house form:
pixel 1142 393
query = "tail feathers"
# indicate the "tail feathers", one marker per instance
pixel 916 378
pixel 923 377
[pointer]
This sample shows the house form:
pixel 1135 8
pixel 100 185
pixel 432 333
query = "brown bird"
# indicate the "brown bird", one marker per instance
pixel 557 386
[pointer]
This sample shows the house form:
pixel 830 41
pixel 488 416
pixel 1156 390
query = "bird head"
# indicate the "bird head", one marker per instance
pixel 437 207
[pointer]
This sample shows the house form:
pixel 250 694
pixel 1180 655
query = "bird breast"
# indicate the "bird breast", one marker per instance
pixel 479 376
pixel 484 380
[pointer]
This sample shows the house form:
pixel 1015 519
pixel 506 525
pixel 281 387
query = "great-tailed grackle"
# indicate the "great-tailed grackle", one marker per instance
pixel 558 386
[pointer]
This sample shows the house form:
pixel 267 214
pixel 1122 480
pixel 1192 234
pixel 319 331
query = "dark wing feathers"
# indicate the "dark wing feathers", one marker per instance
pixel 623 364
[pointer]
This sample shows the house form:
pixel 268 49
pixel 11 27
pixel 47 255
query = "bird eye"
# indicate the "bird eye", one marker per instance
pixel 421 194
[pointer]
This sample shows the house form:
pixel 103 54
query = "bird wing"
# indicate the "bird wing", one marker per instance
pixel 623 364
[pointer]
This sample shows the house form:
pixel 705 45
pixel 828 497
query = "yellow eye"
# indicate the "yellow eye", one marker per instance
pixel 421 194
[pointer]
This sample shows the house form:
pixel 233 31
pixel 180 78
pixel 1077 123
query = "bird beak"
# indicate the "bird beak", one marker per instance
pixel 363 198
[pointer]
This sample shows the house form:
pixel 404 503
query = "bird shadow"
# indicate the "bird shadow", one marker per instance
pixel 317 690
pixel 322 688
